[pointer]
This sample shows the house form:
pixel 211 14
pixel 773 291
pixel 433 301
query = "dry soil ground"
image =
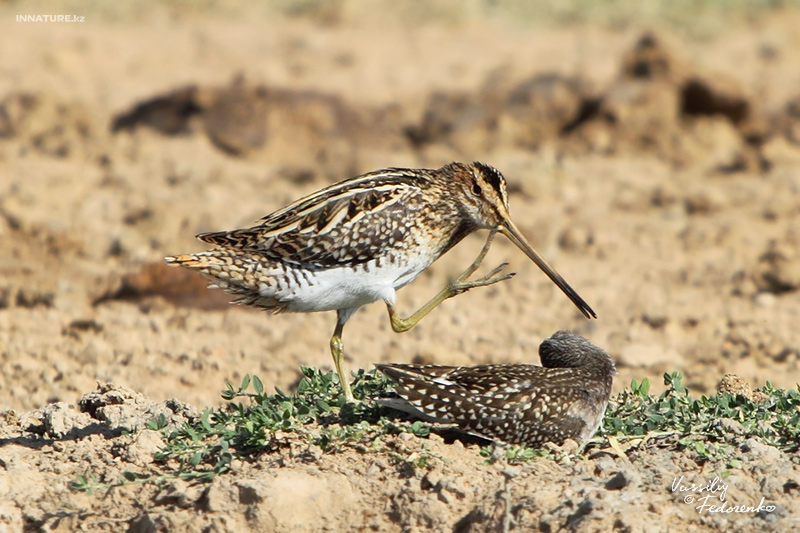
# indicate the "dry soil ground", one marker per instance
pixel 657 167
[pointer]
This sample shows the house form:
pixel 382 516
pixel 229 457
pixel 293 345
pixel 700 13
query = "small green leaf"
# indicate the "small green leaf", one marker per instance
pixel 323 406
pixel 420 429
pixel 158 423
pixel 302 387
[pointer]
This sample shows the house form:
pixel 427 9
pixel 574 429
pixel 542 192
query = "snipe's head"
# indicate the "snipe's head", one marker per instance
pixel 484 196
pixel 565 349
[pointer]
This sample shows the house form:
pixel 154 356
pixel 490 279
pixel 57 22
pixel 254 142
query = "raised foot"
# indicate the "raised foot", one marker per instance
pixel 460 285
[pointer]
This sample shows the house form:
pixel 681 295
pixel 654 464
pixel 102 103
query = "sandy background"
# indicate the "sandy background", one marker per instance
pixel 667 248
pixel 660 176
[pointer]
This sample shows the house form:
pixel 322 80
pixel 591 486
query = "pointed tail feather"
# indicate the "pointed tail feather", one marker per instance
pixel 226 271
pixel 233 273
pixel 196 261
pixel 426 397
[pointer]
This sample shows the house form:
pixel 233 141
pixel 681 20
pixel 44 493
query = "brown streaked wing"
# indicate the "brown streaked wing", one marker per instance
pixel 345 224
pixel 389 176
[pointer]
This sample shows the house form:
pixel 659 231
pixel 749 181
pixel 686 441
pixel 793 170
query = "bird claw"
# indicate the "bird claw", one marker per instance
pixel 497 270
pixel 461 285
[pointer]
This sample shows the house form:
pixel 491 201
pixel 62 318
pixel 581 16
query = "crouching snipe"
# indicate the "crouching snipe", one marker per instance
pixel 513 403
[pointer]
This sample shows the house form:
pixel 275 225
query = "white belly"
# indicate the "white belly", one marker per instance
pixel 344 288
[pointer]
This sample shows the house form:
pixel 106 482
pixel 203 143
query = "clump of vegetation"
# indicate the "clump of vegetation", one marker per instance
pixel 711 426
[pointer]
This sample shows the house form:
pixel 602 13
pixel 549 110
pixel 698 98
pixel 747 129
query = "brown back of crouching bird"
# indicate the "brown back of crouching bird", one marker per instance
pixel 520 404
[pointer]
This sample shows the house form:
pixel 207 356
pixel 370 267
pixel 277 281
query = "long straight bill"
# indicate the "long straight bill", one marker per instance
pixel 515 236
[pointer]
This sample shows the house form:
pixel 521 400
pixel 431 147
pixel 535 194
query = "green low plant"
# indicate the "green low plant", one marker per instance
pixel 695 422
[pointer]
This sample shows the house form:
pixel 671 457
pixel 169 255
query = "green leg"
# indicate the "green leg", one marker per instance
pixel 337 350
pixel 453 289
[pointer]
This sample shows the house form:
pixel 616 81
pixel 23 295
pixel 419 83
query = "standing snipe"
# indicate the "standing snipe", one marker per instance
pixel 360 240
pixel 515 404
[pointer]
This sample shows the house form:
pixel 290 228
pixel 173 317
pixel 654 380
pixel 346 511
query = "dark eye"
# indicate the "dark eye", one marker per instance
pixel 476 190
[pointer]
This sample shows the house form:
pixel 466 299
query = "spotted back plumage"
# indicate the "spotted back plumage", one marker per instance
pixel 515 403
